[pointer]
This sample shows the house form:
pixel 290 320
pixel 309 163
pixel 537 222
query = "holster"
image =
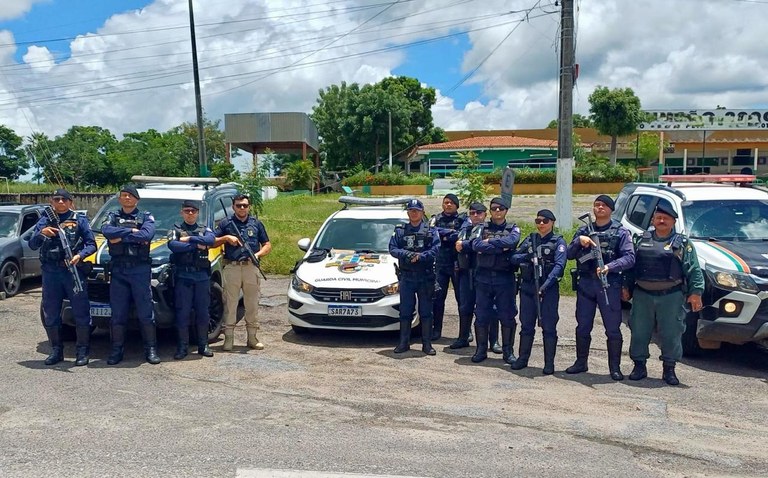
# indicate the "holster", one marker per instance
pixel 574 279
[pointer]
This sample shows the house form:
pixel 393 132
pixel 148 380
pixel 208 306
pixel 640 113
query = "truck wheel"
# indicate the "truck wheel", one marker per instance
pixel 216 311
pixel 11 277
pixel 690 342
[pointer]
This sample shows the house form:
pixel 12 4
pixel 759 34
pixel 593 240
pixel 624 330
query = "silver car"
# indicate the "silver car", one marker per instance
pixel 17 260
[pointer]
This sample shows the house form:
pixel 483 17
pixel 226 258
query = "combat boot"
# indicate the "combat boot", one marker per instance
pixel 149 334
pixel 253 341
pixel 57 346
pixel 437 329
pixel 118 343
pixel 669 373
pixel 550 348
pixel 202 341
pixel 526 344
pixel 481 352
pixel 82 344
pixel 493 337
pixel 507 343
pixel 582 354
pixel 182 344
pixel 614 359
pixel 426 342
pixel 404 344
pixel 464 327
pixel 639 371
pixel 229 339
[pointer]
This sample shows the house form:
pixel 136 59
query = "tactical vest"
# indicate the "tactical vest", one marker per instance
pixel 466 259
pixel 52 251
pixel 609 240
pixel 415 241
pixel 128 252
pixel 544 250
pixel 250 233
pixel 192 260
pixel 659 261
pixel 446 255
pixel 496 262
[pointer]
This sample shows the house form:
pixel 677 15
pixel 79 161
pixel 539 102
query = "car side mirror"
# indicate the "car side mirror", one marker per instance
pixel 27 235
pixel 303 243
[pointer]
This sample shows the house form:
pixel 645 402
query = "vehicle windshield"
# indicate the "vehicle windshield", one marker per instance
pixel 166 212
pixel 8 224
pixel 358 234
pixel 727 219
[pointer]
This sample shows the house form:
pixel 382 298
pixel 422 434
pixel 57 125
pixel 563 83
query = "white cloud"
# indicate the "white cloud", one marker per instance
pixel 15 8
pixel 39 58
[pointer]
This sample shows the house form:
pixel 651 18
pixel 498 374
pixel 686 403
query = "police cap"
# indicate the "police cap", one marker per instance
pixel 547 214
pixel 666 208
pixel 477 206
pixel 63 193
pixel 415 204
pixel 191 203
pixel 605 199
pixel 453 198
pixel 500 201
pixel 130 189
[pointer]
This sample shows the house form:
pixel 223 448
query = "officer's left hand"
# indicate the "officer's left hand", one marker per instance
pixel 695 301
pixel 49 231
pixel 458 246
pixel 75 259
pixel 602 271
pixel 116 240
pixel 415 258
pixel 626 296
pixel 184 239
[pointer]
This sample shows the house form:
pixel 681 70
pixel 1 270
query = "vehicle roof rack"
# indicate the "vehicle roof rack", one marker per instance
pixel 663 187
pixel 356 201
pixel 708 178
pixel 166 180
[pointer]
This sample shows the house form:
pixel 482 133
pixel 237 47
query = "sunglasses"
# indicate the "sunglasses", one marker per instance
pixel 542 221
pixel 242 206
pixel 498 208
pixel 59 199
pixel 476 213
pixel 189 211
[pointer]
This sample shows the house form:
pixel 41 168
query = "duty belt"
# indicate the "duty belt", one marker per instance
pixel 677 288
pixel 241 262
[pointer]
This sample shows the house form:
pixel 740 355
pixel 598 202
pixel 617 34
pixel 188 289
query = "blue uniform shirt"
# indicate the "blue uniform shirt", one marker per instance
pixel 399 249
pixel 85 244
pixel 205 238
pixel 253 233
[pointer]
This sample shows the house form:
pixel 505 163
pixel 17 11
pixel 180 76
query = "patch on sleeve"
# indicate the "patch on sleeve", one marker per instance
pixel 561 248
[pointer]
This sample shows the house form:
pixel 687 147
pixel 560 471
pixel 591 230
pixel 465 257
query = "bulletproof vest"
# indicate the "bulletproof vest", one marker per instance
pixel 545 251
pixel 609 241
pixel 128 251
pixel 659 260
pixel 415 241
pixel 496 262
pixel 249 231
pixel 196 259
pixel 52 251
pixel 466 258
pixel 446 255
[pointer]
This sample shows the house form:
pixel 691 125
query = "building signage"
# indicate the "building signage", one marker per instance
pixel 705 120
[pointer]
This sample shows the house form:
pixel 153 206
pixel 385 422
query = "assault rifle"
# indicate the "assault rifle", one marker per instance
pixel 236 232
pixel 596 254
pixel 53 218
pixel 534 251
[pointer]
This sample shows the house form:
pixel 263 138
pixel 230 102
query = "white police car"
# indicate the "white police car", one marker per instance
pixel 346 280
pixel 726 218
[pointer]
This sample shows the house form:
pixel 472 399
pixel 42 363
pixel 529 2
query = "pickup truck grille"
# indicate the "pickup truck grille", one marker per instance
pixel 356 296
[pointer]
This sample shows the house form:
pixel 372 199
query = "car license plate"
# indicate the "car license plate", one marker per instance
pixel 345 310
pixel 101 310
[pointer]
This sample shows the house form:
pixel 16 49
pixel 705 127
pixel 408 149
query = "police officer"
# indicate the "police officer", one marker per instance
pixel 239 271
pixel 665 278
pixel 447 224
pixel 415 246
pixel 58 282
pixel 495 280
pixel 546 251
pixel 189 243
pixel 466 264
pixel 129 232
pixel 618 256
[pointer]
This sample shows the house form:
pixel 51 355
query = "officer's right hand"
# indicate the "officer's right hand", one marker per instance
pixel 585 241
pixel 116 240
pixel 233 241
pixel 49 231
pixel 458 246
pixel 626 296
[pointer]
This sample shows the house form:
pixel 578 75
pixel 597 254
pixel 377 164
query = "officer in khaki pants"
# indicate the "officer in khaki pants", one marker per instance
pixel 239 271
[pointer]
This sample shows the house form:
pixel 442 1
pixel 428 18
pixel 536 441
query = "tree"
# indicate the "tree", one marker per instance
pixel 302 174
pixel 647 147
pixel 579 121
pixel 81 157
pixel 470 184
pixel 615 113
pixel 40 151
pixel 13 158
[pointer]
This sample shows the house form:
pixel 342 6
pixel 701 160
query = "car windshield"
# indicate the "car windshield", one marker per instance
pixel 358 234
pixel 727 219
pixel 8 224
pixel 166 212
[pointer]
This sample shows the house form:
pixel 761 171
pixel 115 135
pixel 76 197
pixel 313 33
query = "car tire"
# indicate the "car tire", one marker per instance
pixel 690 342
pixel 10 274
pixel 299 330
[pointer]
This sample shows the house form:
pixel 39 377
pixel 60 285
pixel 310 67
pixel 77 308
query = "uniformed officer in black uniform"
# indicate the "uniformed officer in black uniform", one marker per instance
pixel 58 281
pixel 544 250
pixel 415 246
pixel 189 242
pixel 447 224
pixel 129 232
pixel 466 263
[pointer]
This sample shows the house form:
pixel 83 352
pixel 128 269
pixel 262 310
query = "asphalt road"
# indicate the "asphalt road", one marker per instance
pixel 344 403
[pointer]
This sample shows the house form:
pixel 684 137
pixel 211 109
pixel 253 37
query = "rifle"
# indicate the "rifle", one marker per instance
pixel 534 251
pixel 236 232
pixel 77 284
pixel 597 253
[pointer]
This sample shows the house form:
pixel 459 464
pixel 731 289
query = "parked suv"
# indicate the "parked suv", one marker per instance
pixel 727 223
pixel 17 260
pixel 162 197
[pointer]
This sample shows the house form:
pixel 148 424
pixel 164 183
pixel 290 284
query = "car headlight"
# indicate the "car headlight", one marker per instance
pixel 734 280
pixel 391 289
pixel 301 286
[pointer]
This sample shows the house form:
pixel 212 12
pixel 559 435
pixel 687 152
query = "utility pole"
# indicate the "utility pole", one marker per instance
pixel 202 157
pixel 564 185
pixel 390 141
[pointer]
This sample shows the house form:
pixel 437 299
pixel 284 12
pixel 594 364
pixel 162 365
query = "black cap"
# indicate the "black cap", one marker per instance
pixel 130 189
pixel 454 199
pixel 546 213
pixel 415 204
pixel 500 201
pixel 191 203
pixel 666 208
pixel 605 199
pixel 477 206
pixel 62 193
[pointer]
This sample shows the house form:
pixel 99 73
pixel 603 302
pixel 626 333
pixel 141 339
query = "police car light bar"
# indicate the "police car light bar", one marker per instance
pixel 355 201
pixel 170 180
pixel 707 178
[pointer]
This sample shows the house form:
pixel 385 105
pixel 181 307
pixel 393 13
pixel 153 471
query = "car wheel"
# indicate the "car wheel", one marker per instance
pixel 299 330
pixel 11 277
pixel 690 342
pixel 216 311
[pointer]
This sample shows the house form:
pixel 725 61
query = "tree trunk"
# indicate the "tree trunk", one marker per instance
pixel 614 143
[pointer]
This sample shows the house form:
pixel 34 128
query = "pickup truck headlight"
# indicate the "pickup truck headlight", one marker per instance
pixel 301 286
pixel 733 280
pixel 391 289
